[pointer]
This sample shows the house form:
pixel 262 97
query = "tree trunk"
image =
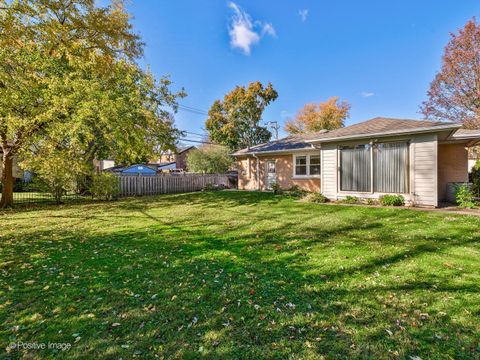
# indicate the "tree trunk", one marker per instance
pixel 7 180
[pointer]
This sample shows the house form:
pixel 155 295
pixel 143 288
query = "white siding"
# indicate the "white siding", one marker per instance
pixel 329 170
pixel 424 170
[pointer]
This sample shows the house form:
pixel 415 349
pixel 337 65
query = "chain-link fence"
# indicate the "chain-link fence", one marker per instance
pixel 132 185
pixel 32 193
pixel 25 197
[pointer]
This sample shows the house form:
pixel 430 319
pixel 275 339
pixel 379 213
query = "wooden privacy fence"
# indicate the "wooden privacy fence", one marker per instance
pixel 138 185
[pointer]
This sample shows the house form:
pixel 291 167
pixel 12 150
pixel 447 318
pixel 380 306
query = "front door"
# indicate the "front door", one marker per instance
pixel 270 174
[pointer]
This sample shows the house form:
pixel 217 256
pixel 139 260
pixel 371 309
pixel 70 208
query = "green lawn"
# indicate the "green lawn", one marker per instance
pixel 239 275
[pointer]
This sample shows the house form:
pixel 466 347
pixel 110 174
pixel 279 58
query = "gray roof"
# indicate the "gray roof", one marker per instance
pixel 379 126
pixel 295 142
pixel 466 134
pixel 184 148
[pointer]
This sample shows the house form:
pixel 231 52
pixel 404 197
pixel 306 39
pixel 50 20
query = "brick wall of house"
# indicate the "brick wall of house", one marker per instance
pixel 452 166
pixel 284 173
pixel 181 160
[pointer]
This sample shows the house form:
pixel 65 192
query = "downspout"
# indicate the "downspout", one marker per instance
pixel 372 188
pixel 257 171
pixel 319 148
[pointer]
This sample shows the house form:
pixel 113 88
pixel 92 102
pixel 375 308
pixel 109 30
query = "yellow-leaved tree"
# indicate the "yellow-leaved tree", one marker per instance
pixel 71 89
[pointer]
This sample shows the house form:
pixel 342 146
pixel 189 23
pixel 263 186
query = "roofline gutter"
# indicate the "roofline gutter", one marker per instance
pixel 386 134
pixel 257 171
pixel 312 147
pixel 464 137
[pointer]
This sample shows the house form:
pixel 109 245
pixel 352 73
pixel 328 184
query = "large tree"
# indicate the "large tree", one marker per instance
pixel 327 115
pixel 454 94
pixel 235 121
pixel 209 159
pixel 69 84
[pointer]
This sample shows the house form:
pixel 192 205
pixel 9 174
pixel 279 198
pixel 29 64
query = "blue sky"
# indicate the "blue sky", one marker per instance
pixel 378 55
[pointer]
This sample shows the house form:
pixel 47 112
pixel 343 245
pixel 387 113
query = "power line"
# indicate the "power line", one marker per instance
pixel 192 133
pixel 198 141
pixel 192 110
pixel 275 126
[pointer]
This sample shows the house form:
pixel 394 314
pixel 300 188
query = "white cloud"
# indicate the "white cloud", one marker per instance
pixel 303 13
pixel 244 33
pixel 366 94
pixel 269 29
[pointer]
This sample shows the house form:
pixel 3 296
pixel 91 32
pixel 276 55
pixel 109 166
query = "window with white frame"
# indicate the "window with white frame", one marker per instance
pixel 314 166
pixel 300 165
pixel 307 165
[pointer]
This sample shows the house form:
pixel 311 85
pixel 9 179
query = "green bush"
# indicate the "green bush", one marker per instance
pixel 315 197
pixel 295 191
pixel 56 171
pixel 392 200
pixel 349 200
pixel 58 182
pixel 277 190
pixel 105 186
pixel 212 187
pixel 476 179
pixel 371 201
pixel 465 197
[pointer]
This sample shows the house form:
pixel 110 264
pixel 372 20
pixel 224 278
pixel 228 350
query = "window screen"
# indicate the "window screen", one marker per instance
pixel 355 168
pixel 391 167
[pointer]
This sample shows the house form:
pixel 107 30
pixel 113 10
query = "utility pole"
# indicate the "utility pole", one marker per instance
pixel 274 125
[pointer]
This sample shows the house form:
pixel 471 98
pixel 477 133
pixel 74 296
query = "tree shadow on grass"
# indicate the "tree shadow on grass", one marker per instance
pixel 179 290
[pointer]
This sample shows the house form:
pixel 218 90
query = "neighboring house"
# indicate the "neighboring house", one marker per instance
pixel 101 165
pixel 167 166
pixel 414 158
pixel 179 158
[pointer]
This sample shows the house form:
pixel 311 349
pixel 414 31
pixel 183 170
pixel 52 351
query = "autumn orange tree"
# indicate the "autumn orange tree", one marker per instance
pixel 313 117
pixel 454 94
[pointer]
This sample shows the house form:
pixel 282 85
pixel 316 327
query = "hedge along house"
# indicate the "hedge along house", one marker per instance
pixel 414 158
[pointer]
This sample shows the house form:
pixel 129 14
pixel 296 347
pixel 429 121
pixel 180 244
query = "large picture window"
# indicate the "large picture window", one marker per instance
pixel 355 172
pixel 390 167
pixel 307 165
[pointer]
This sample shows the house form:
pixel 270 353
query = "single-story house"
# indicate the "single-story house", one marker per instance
pixel 414 158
